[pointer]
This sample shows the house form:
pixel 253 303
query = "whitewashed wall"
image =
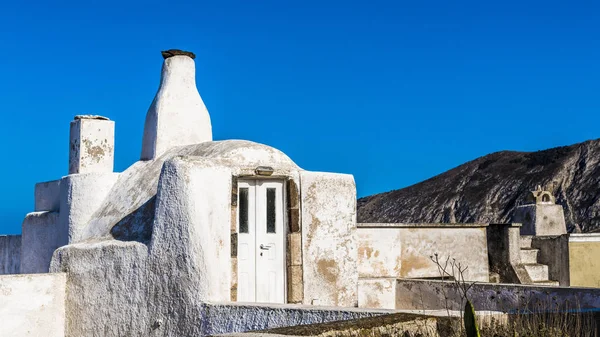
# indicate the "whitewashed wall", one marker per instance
pixel 329 244
pixel 32 305
pixel 10 254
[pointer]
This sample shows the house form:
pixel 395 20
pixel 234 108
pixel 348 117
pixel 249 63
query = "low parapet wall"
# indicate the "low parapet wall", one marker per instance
pixel 400 250
pixel 10 254
pixel 32 305
pixel 438 295
pixel 584 261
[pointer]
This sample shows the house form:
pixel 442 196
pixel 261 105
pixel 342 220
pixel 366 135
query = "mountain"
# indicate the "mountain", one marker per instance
pixel 487 189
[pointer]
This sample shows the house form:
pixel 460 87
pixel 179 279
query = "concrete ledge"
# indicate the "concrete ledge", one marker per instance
pixel 590 237
pixel 421 225
pixel 241 317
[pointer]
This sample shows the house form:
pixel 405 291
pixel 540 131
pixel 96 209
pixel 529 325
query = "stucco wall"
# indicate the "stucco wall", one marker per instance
pixel 40 238
pixel 107 288
pixel 329 239
pixel 584 260
pixel 32 305
pixel 404 250
pixel 10 254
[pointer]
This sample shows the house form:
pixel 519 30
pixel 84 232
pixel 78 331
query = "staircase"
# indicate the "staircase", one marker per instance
pixel 529 258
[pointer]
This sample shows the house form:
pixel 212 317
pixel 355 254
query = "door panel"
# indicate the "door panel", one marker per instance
pixel 270 259
pixel 261 241
pixel 246 241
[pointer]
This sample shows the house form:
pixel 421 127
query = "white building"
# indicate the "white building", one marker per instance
pixel 194 221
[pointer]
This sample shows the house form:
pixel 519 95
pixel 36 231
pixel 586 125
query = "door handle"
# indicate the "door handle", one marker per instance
pixel 263 247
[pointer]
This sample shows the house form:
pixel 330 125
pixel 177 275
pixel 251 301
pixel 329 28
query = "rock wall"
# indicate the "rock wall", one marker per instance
pixel 329 242
pixel 32 305
pixel 10 254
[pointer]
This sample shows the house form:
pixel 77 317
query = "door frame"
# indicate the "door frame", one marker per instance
pixel 292 268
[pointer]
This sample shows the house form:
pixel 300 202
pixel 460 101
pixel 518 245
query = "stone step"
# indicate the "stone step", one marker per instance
pixel 547 283
pixel 526 241
pixel 537 272
pixel 529 256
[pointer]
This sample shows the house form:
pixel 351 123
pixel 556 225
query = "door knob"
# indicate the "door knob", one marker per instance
pixel 264 247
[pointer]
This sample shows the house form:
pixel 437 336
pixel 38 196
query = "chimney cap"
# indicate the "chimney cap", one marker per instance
pixel 173 52
pixel 78 117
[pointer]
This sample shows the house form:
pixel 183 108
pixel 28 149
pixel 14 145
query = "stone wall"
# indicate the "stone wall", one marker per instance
pixel 404 250
pixel 584 261
pixel 10 254
pixel 32 305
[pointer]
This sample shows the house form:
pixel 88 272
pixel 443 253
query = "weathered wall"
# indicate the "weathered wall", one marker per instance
pixel 584 260
pixel 404 250
pixel 329 242
pixel 10 254
pixel 107 288
pixel 32 305
pixel 431 295
pixel 377 293
pixel 40 238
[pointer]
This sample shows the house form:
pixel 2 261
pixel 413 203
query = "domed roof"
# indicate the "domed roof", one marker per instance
pixel 129 206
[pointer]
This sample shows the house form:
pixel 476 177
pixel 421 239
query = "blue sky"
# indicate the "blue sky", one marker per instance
pixel 392 92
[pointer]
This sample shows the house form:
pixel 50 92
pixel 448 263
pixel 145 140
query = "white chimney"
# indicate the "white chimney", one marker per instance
pixel 177 115
pixel 91 147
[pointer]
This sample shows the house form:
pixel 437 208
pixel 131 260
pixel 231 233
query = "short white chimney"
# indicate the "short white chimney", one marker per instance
pixel 91 145
pixel 177 115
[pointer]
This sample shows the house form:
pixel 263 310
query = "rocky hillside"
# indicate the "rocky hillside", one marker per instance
pixel 488 188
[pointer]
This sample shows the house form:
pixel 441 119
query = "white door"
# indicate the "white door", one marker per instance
pixel 261 244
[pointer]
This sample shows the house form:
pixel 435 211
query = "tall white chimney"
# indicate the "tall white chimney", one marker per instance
pixel 177 115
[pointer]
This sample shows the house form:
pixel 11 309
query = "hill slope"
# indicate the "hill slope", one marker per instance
pixel 488 188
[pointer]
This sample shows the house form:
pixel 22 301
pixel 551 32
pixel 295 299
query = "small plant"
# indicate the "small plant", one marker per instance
pixel 469 320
